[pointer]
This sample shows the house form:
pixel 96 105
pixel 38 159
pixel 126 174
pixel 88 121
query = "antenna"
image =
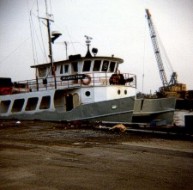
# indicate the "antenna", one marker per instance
pixel 88 41
pixel 55 35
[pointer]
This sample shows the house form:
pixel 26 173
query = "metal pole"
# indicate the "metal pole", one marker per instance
pixel 50 45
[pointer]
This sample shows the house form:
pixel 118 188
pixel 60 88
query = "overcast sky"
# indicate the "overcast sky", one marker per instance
pixel 117 27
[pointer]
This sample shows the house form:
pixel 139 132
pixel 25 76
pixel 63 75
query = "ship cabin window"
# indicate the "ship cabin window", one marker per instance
pixel 105 65
pixel 31 104
pixel 97 65
pixel 112 67
pixel 64 69
pixel 45 102
pixel 75 66
pixel 42 71
pixel 86 66
pixel 61 69
pixel 17 105
pixel 4 106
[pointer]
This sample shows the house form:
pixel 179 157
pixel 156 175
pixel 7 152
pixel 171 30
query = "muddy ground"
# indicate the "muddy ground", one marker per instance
pixel 55 156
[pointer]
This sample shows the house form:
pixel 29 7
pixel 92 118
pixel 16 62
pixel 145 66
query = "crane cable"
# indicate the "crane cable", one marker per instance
pixel 167 60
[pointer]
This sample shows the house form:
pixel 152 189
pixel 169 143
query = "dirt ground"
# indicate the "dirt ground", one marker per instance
pixel 51 156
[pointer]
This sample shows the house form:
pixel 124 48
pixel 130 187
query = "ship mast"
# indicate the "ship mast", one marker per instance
pixel 50 43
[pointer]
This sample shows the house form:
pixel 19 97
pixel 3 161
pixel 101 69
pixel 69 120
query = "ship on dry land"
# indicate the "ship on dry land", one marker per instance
pixel 88 87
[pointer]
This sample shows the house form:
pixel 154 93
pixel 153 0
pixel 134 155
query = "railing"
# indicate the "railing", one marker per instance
pixel 88 79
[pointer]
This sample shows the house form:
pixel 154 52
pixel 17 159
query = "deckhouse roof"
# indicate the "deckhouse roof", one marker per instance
pixel 79 59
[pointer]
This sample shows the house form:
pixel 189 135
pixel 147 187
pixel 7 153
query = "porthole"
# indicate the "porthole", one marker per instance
pixel 118 92
pixel 87 93
pixel 125 92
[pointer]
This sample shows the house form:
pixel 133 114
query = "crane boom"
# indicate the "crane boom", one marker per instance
pixel 171 88
pixel 156 49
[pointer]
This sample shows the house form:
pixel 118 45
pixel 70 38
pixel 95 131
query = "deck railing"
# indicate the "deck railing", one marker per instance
pixel 72 81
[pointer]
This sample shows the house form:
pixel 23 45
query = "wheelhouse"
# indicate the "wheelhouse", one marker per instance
pixel 81 71
pixel 80 65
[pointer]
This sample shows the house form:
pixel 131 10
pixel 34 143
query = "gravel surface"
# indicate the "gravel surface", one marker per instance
pixel 55 156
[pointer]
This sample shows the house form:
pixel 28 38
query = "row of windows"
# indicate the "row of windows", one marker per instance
pixel 30 106
pixel 98 65
pixel 65 68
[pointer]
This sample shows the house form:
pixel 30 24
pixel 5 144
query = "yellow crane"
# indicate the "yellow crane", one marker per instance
pixel 171 88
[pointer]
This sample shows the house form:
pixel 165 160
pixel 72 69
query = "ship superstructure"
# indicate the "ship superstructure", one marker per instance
pixel 79 88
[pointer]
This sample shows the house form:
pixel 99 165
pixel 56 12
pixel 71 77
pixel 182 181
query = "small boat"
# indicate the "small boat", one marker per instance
pixel 86 87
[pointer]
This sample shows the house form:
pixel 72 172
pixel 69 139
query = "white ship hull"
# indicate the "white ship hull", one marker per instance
pixel 70 105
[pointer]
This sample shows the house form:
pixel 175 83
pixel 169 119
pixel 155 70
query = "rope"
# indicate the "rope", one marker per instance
pixel 12 52
pixel 44 49
pixel 32 40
